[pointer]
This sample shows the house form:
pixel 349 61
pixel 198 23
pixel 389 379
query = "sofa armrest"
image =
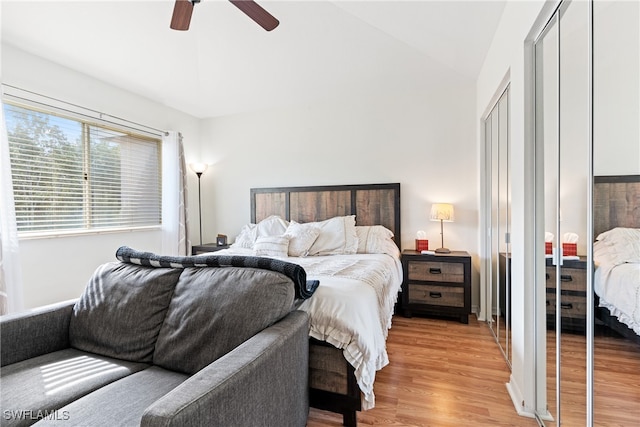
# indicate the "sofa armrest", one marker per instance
pixel 35 332
pixel 263 381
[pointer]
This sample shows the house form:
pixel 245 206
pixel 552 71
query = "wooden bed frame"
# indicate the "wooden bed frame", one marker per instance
pixel 333 385
pixel 616 203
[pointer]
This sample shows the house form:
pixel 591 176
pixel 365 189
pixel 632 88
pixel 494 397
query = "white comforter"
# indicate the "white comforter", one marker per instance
pixel 618 287
pixel 352 307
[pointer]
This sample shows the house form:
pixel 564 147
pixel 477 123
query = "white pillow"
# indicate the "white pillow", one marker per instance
pixel 623 244
pixel 337 236
pixel 372 239
pixel 246 238
pixel 273 246
pixel 301 237
pixel 270 226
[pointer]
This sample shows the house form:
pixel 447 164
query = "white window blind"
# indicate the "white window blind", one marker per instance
pixel 72 175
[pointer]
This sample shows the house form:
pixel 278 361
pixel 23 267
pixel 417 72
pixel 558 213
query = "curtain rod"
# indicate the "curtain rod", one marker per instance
pixel 101 115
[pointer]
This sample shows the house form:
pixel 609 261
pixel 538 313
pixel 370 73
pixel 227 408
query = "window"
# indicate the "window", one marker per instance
pixel 70 175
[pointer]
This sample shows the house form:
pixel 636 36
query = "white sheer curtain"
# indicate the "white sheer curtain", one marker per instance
pixel 174 197
pixel 10 271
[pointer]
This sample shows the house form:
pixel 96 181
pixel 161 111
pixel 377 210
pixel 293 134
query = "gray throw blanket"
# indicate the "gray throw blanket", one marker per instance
pixel 304 288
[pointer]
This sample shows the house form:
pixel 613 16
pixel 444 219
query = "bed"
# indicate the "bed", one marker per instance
pixel 616 253
pixel 352 308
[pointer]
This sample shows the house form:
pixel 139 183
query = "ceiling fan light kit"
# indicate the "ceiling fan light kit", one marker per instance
pixel 183 10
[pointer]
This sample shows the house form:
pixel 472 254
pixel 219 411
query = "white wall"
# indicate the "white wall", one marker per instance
pixel 616 88
pixel 422 138
pixel 56 269
pixel 506 57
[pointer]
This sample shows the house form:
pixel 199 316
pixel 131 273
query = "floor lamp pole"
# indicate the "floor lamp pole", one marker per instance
pixel 199 205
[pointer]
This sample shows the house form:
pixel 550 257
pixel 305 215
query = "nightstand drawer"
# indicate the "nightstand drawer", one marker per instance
pixel 432 271
pixel 572 306
pixel 571 279
pixel 449 296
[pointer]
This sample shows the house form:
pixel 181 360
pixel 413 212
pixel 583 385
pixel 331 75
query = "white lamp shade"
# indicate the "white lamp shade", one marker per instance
pixel 442 212
pixel 198 167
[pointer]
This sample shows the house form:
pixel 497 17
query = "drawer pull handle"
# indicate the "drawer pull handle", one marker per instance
pixel 566 278
pixel 566 305
pixel 434 270
pixel 548 277
pixel 548 303
pixel 435 294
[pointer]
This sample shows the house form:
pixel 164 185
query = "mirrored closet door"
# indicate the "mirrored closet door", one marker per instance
pixel 563 137
pixel 498 190
pixel 587 125
pixel 616 203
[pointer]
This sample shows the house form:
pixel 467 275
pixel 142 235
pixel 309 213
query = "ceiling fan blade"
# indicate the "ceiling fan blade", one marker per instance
pixel 254 11
pixel 182 11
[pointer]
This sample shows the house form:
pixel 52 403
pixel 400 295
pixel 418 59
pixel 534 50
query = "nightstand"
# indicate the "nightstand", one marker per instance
pixel 437 284
pixel 206 247
pixel 573 296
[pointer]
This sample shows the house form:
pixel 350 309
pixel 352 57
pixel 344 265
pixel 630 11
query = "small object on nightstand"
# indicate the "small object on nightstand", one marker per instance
pixel 221 240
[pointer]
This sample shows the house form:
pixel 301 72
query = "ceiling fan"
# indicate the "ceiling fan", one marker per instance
pixel 183 10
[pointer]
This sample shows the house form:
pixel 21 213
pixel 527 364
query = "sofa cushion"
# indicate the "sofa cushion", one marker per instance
pixel 48 382
pixel 120 403
pixel 213 310
pixel 121 310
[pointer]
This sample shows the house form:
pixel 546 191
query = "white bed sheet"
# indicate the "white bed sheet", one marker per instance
pixel 352 307
pixel 618 287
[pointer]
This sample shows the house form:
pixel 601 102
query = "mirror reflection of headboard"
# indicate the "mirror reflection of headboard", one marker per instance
pixel 616 202
pixel 372 204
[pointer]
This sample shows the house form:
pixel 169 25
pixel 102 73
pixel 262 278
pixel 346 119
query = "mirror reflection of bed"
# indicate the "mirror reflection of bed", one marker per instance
pixel 616 204
pixel 616 278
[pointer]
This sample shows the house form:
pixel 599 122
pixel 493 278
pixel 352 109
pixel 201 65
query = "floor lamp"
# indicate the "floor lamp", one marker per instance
pixel 442 212
pixel 199 169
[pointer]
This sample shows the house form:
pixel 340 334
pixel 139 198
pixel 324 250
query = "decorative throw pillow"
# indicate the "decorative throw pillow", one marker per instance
pixel 271 226
pixel 246 238
pixel 337 236
pixel 272 246
pixel 372 239
pixel 301 237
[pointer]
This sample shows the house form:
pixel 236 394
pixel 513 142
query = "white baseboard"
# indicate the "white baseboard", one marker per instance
pixel 518 401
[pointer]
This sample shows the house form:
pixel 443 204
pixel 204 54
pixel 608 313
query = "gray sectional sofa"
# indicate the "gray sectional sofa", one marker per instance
pixel 164 341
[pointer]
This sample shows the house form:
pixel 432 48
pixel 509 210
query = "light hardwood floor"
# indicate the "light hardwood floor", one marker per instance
pixel 442 374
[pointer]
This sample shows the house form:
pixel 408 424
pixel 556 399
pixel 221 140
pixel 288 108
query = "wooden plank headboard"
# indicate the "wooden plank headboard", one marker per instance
pixel 616 202
pixel 372 204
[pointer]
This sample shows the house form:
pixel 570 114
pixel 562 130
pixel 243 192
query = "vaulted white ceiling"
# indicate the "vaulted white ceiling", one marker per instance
pixel 227 64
